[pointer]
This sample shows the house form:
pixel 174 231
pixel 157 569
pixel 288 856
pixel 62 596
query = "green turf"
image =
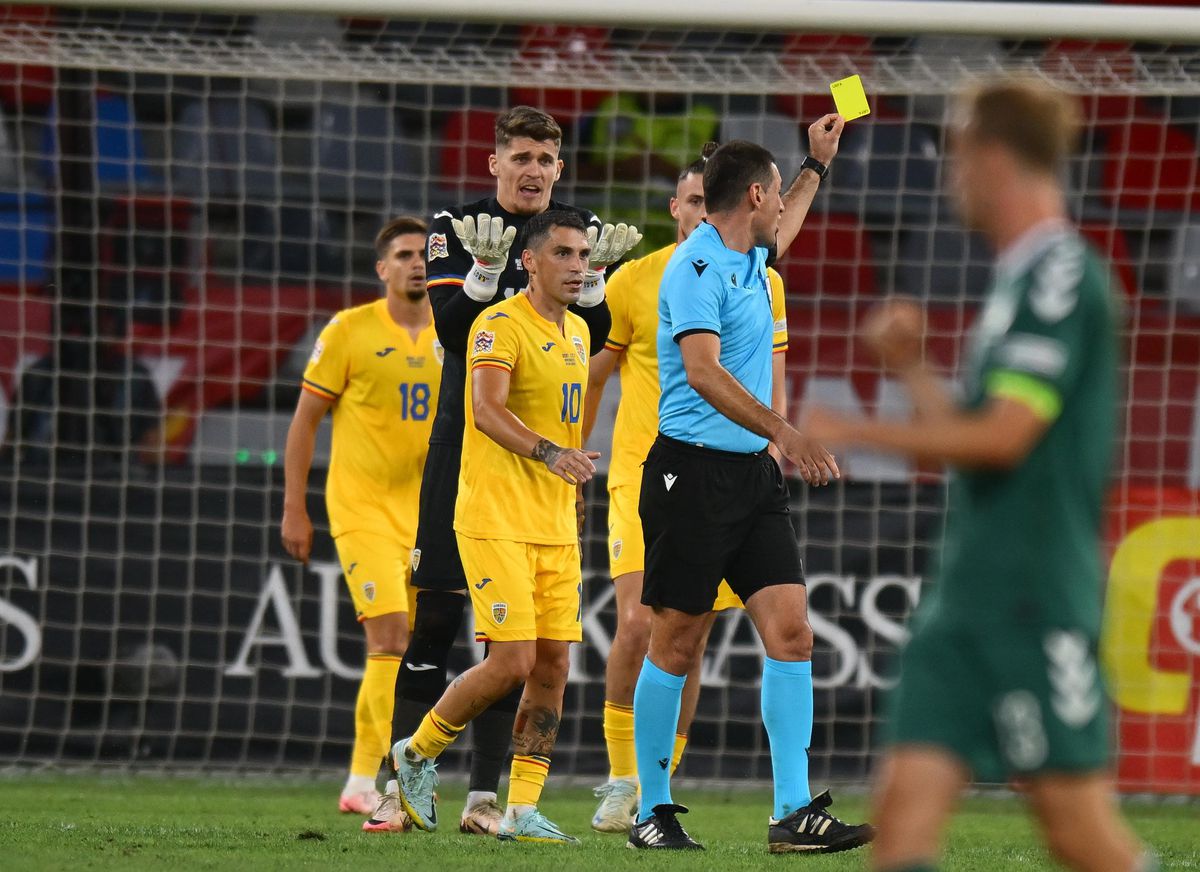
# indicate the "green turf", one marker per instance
pixel 171 824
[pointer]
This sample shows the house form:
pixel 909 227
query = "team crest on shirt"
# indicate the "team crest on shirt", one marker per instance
pixel 580 349
pixel 368 590
pixel 439 353
pixel 416 559
pixel 437 246
pixel 318 349
pixel 485 340
pixel 617 548
pixel 499 612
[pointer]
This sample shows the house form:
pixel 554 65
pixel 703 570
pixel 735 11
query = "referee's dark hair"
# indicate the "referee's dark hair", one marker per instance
pixel 730 172
pixel 397 227
pixel 537 229
pixel 697 166
pixel 528 122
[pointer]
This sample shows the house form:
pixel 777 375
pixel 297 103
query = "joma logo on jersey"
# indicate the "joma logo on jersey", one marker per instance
pixel 548 346
pixel 499 612
pixel 385 352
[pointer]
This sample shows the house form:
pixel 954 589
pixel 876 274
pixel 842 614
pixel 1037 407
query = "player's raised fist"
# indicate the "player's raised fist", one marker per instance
pixel 824 135
pixel 611 244
pixel 486 239
pixel 895 332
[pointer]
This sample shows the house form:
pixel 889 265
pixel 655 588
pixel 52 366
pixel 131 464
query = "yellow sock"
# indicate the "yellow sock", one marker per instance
pixel 434 735
pixel 677 754
pixel 527 778
pixel 618 735
pixel 373 714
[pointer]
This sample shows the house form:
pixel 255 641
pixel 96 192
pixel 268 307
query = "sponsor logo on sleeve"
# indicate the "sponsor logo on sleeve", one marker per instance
pixel 437 246
pixel 318 350
pixel 485 341
pixel 439 353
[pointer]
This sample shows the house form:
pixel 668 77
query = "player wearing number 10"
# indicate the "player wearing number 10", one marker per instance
pixel 378 366
pixel 515 523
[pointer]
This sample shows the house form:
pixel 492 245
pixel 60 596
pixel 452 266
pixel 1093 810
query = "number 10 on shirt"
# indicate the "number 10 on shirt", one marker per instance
pixel 572 401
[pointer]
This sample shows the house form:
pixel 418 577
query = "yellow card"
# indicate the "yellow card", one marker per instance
pixel 850 98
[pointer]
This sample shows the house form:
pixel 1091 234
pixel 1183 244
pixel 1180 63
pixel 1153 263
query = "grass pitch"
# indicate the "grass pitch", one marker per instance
pixel 131 823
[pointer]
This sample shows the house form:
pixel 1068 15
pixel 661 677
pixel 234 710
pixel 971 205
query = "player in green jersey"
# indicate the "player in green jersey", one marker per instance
pixel 1000 677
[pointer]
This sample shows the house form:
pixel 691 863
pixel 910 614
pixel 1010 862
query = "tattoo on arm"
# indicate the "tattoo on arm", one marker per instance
pixel 547 452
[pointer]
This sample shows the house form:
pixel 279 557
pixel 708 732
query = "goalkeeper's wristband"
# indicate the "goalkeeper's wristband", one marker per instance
pixel 592 292
pixel 482 283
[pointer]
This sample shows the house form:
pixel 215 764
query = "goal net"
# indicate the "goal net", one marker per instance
pixel 185 199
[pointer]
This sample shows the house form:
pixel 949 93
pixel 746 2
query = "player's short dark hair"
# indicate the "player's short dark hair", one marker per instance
pixel 1039 124
pixel 397 227
pixel 696 167
pixel 730 172
pixel 537 229
pixel 527 122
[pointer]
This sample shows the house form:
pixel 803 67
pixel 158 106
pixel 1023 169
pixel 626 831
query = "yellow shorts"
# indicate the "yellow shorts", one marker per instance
pixel 521 592
pixel 377 569
pixel 627 548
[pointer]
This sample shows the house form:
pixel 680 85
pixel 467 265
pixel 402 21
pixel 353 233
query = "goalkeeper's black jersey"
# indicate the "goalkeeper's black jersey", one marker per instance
pixel 447 265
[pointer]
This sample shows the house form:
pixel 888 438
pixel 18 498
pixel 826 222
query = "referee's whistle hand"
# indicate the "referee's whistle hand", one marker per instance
pixel 816 465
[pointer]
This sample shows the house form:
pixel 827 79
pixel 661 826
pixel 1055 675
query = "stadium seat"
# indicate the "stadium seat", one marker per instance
pixel 830 259
pixel 26 88
pixel 227 159
pixel 225 150
pixel 886 168
pixel 942 262
pixel 834 56
pixel 363 159
pixel 1150 165
pixel 545 47
pixel 26 237
pixel 1183 276
pixel 121 163
pixel 467 141
pixel 779 134
pixel 10 161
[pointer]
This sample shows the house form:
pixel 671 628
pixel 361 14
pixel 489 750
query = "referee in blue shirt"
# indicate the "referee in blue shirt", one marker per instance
pixel 714 503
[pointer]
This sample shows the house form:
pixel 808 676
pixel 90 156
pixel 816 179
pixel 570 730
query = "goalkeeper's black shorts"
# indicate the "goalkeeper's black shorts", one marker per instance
pixel 436 564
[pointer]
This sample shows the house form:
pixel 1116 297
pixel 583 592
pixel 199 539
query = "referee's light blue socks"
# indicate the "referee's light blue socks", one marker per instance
pixel 787 713
pixel 655 717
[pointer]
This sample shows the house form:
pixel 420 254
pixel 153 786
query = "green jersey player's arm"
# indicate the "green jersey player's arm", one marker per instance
pixel 999 435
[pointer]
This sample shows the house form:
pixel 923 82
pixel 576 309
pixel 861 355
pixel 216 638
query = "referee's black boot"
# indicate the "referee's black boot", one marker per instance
pixel 663 831
pixel 814 830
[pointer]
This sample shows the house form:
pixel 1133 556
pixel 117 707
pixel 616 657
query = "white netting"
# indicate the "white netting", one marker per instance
pixel 184 199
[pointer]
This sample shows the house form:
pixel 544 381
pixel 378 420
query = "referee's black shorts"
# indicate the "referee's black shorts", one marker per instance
pixel 436 564
pixel 707 515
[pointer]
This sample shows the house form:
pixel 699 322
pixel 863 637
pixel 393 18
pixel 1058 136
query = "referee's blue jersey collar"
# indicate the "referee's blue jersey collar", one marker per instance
pixel 711 237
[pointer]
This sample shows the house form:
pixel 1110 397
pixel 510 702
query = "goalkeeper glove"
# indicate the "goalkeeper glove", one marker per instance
pixel 612 245
pixel 487 240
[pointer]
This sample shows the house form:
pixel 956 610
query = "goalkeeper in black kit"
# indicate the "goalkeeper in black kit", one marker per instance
pixel 472 262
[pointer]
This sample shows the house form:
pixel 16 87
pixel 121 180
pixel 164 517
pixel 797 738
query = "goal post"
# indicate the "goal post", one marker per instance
pixel 188 193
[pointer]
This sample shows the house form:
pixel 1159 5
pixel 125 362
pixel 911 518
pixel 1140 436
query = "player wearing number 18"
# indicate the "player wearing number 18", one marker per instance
pixel 515 521
pixel 378 366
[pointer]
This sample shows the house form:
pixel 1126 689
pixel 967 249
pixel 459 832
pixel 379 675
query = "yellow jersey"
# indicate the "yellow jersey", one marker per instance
pixel 502 495
pixel 632 296
pixel 384 387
